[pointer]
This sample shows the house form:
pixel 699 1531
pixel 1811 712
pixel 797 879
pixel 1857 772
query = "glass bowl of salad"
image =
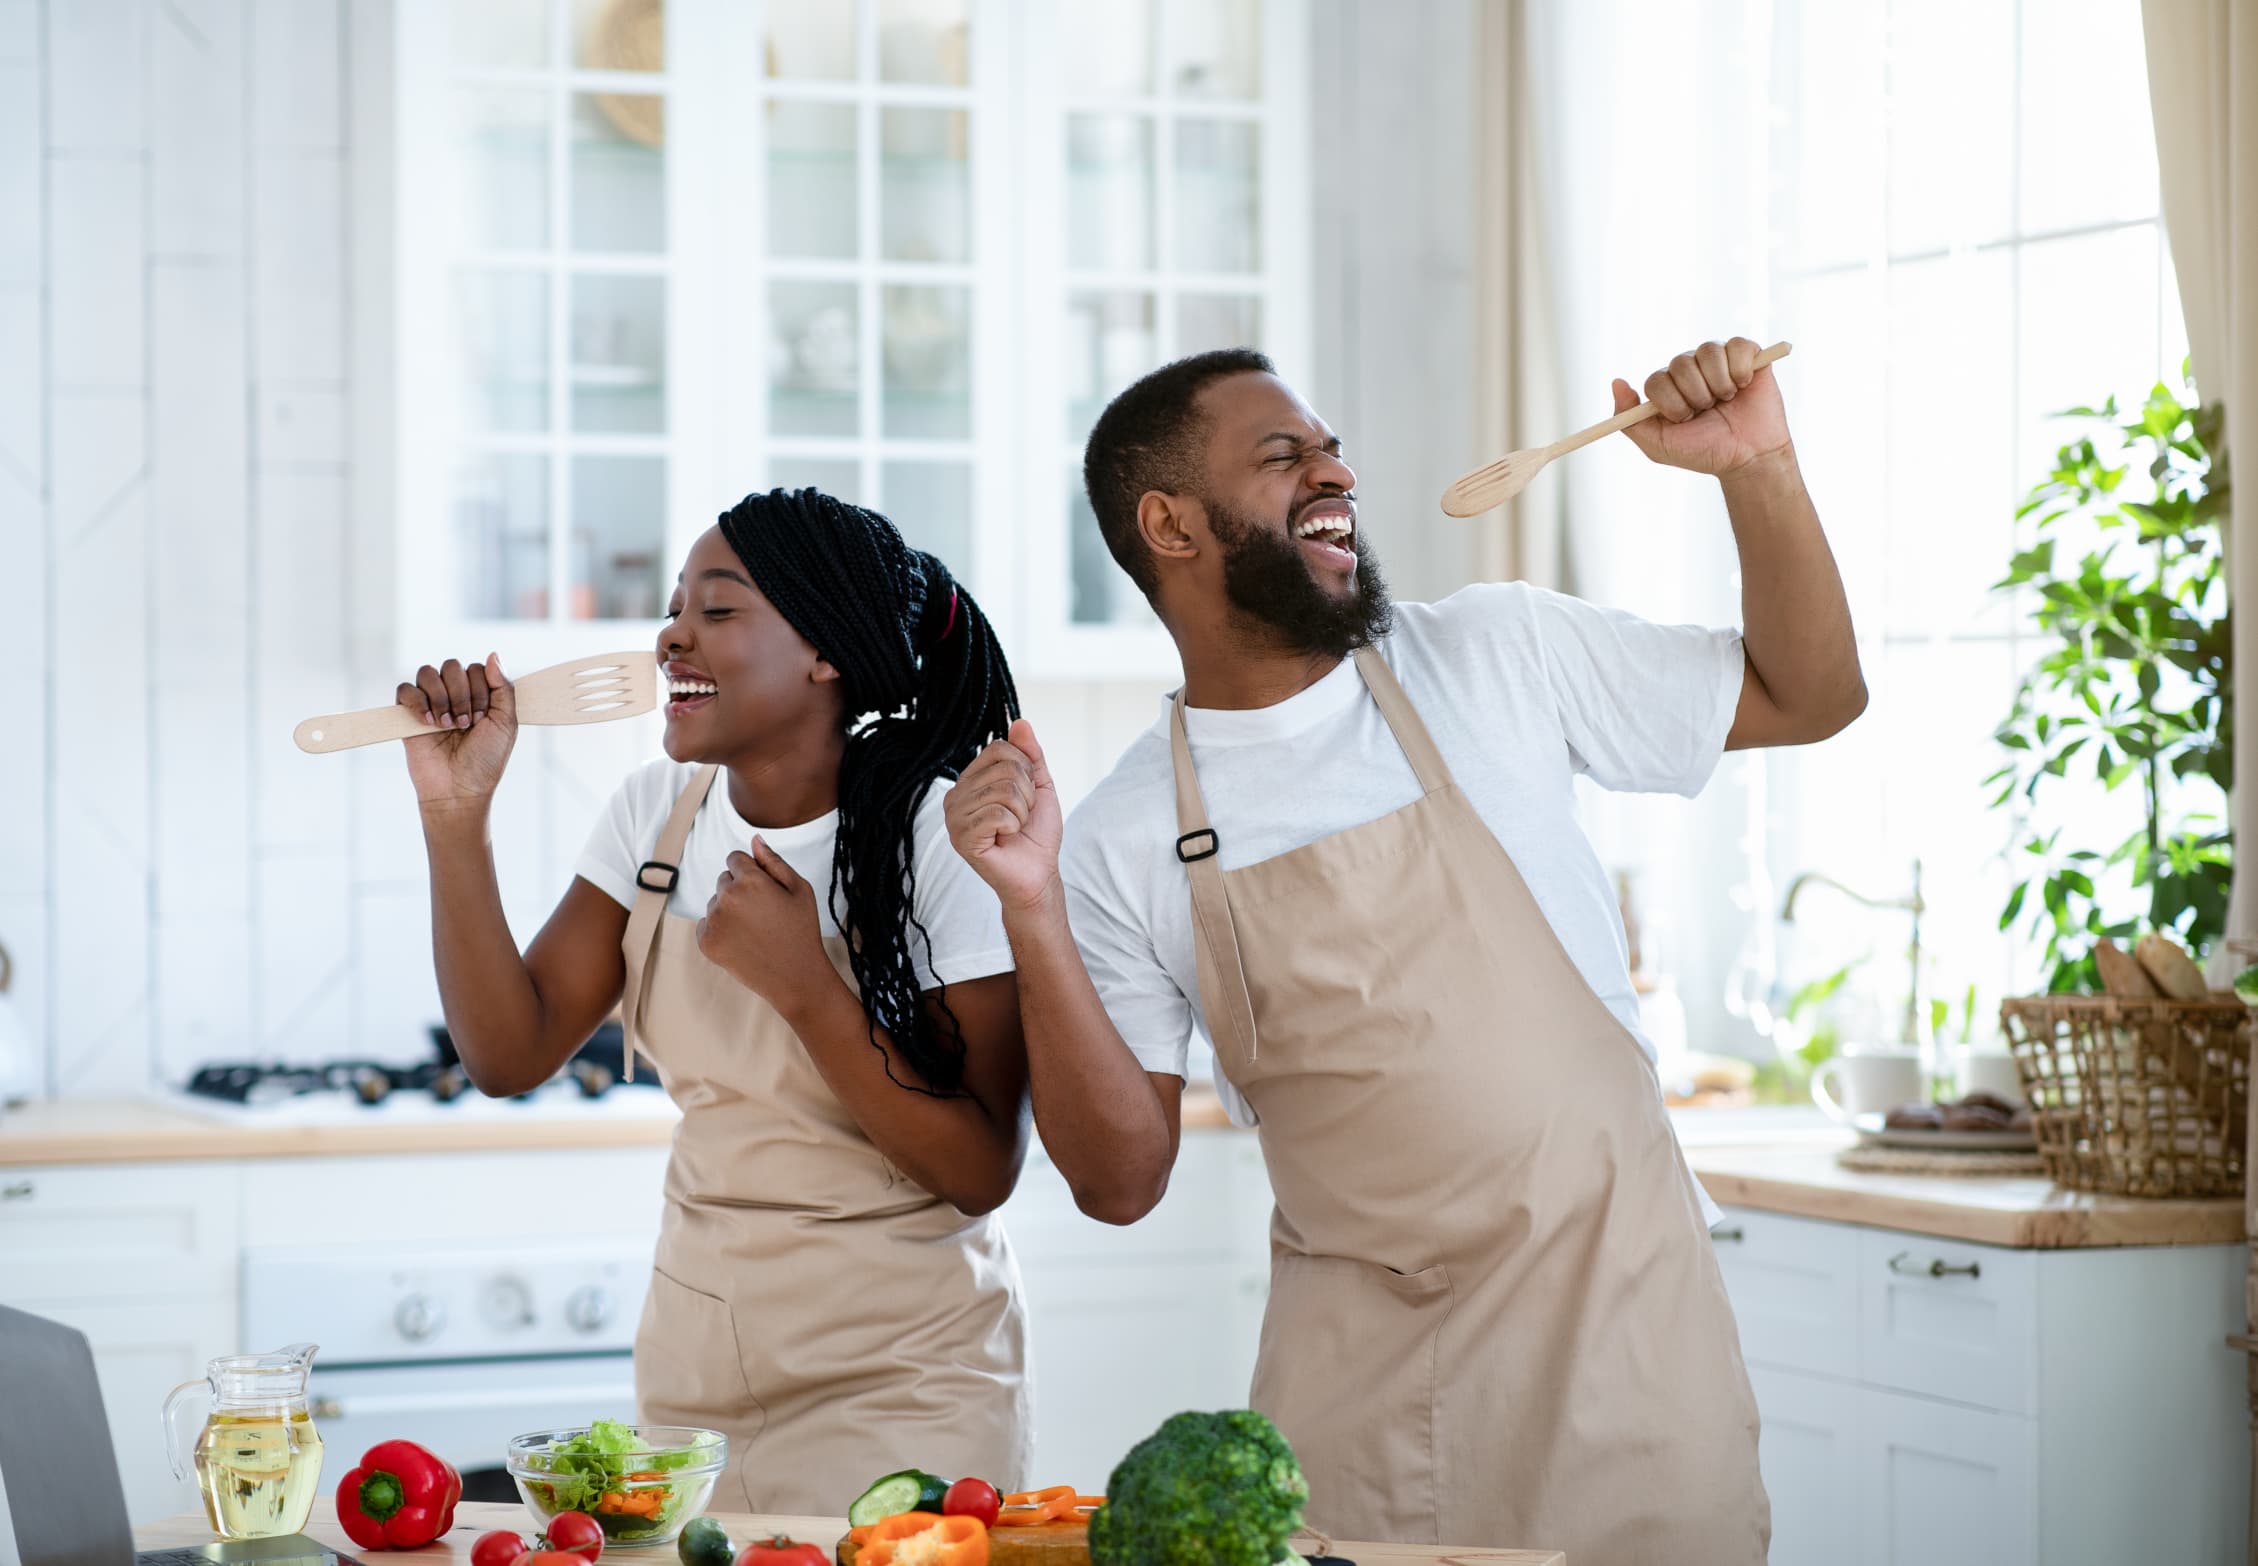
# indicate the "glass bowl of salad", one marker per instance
pixel 640 1482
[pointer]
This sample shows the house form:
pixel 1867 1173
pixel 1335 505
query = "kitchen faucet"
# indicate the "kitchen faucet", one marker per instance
pixel 1910 1035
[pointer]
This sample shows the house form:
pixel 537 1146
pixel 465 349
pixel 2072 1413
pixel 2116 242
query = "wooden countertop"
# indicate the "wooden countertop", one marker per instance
pixel 472 1519
pixel 2026 1212
pixel 97 1131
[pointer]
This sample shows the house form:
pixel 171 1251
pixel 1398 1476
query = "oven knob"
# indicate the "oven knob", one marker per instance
pixel 589 1308
pixel 419 1317
pixel 508 1303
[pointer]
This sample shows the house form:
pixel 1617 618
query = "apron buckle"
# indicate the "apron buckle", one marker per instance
pixel 672 872
pixel 1214 843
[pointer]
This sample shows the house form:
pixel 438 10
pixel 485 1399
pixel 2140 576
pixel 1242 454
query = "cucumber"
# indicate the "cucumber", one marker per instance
pixel 932 1491
pixel 705 1542
pixel 896 1493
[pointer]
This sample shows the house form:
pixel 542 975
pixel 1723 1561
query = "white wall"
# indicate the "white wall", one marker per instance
pixel 192 559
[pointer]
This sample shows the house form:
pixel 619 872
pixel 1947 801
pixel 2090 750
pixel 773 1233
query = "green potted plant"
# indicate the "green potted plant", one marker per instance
pixel 2135 687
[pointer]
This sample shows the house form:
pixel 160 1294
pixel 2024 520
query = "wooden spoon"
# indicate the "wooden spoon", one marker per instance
pixel 585 690
pixel 1505 478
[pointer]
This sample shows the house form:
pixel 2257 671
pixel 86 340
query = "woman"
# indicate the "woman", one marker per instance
pixel 829 1289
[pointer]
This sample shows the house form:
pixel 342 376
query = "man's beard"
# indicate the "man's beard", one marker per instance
pixel 1265 575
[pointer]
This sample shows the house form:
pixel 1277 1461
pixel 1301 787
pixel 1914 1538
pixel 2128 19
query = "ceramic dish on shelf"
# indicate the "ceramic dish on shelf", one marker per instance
pixel 1872 1132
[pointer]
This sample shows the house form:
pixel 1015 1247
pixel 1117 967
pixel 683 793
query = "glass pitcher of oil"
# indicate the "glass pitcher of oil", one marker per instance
pixel 257 1456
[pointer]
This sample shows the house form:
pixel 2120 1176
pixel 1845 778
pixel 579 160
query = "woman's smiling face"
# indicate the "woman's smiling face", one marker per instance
pixel 737 673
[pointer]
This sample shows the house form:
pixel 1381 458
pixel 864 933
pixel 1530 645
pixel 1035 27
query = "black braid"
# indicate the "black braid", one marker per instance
pixel 926 687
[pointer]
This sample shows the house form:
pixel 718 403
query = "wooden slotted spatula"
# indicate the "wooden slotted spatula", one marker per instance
pixel 585 690
pixel 1505 478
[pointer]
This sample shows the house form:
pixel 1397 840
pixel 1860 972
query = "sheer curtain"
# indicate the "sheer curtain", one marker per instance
pixel 1644 234
pixel 2203 85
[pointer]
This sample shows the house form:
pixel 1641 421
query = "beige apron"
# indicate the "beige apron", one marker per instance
pixel 832 1318
pixel 1494 1316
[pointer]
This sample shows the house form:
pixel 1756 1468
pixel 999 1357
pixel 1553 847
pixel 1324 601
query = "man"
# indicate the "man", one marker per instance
pixel 1349 852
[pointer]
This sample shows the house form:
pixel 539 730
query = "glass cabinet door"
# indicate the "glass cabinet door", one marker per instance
pixel 545 428
pixel 1170 116
pixel 877 125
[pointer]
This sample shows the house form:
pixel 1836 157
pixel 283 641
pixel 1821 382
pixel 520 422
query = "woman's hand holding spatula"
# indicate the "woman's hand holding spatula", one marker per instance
pixel 471 711
pixel 1714 410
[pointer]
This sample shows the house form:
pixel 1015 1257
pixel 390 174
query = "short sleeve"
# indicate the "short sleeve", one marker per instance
pixel 957 909
pixel 1140 996
pixel 609 860
pixel 1644 707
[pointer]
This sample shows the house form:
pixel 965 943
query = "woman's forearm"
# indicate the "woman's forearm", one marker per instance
pixel 493 1010
pixel 954 1147
pixel 1096 1107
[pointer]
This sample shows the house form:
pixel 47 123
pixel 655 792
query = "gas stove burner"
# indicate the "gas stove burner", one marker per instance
pixel 594 1070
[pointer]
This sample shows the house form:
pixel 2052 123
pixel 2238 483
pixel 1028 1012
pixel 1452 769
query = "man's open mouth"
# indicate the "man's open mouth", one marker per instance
pixel 1327 531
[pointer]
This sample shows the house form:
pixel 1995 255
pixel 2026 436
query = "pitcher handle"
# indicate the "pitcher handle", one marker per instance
pixel 177 1449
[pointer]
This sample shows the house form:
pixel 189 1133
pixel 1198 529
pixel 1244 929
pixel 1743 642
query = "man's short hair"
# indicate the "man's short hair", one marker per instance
pixel 1152 437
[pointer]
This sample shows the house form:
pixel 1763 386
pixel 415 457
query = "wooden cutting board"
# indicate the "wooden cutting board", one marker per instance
pixel 1047 1544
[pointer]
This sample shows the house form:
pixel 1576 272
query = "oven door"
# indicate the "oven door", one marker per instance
pixel 466 1410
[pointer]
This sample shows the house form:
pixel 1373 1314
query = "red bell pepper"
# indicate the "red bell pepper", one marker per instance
pixel 399 1498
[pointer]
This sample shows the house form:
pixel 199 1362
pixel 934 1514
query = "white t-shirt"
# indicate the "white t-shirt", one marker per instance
pixel 952 902
pixel 1521 688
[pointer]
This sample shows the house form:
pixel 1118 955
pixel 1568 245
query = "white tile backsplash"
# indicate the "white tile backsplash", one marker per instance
pixel 100 237
pixel 196 119
pixel 96 54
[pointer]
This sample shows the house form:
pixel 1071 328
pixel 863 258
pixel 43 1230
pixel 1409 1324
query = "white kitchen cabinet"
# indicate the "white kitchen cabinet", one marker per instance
pixel 142 1259
pixel 1940 1485
pixel 1808 1450
pixel 905 253
pixel 1127 1326
pixel 1931 1400
pixel 117 1232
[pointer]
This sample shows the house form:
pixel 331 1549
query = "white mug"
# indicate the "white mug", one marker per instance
pixel 1874 1083
pixel 1988 1071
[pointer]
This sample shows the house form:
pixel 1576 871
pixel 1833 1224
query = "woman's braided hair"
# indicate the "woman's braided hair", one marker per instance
pixel 926 687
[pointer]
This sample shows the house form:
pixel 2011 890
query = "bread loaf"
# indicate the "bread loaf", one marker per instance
pixel 2172 969
pixel 2121 973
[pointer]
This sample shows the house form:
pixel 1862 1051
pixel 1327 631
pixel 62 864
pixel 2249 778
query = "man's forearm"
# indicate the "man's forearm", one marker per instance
pixel 1095 1106
pixel 1795 618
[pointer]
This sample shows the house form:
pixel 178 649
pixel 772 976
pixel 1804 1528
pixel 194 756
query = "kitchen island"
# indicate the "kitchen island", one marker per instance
pixel 472 1520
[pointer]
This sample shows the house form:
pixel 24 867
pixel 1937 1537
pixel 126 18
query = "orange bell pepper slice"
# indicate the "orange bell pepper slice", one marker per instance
pixel 1030 1508
pixel 955 1541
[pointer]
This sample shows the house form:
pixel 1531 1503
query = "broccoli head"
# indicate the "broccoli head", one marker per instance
pixel 1203 1490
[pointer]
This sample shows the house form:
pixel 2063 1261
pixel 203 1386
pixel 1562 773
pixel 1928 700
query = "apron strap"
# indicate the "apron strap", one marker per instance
pixel 1196 848
pixel 654 881
pixel 1404 722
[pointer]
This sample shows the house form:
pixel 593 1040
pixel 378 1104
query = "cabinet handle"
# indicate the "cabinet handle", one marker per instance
pixel 1934 1267
pixel 1733 1235
pixel 18 1192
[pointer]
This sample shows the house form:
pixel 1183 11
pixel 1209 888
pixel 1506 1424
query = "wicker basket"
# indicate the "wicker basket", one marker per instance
pixel 2135 1097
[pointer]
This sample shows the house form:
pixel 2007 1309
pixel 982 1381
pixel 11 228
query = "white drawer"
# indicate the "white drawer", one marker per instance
pixel 1793 1283
pixel 530 1194
pixel 1217 1206
pixel 1948 1319
pixel 98 1232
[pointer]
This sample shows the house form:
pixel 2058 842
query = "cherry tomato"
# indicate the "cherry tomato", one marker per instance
pixel 498 1549
pixel 781 1551
pixel 576 1533
pixel 551 1558
pixel 973 1498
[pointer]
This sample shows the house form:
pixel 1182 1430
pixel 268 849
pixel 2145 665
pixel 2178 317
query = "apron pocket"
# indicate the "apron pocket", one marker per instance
pixel 1348 1370
pixel 688 1368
